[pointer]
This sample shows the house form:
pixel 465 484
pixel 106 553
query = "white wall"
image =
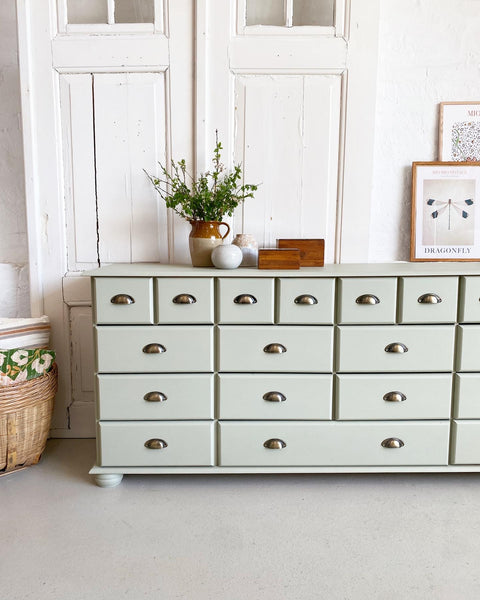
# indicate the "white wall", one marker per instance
pixel 14 300
pixel 429 51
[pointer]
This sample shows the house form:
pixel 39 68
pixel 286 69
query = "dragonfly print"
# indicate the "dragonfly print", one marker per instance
pixel 441 207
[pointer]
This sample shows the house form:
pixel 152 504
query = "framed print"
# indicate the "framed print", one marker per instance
pixel 459 134
pixel 445 211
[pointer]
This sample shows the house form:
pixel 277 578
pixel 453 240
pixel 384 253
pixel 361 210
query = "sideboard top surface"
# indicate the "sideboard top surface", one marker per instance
pixel 397 269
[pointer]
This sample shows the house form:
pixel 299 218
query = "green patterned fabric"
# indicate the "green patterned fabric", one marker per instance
pixel 21 365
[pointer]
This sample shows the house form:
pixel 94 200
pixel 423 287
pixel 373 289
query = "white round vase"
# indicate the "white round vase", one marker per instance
pixel 227 256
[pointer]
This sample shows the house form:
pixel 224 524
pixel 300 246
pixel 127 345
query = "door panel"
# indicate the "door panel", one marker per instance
pixel 130 136
pixel 76 102
pixel 304 149
pixel 114 127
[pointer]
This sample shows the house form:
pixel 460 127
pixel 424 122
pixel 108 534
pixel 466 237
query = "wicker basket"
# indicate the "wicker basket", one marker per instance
pixel 25 416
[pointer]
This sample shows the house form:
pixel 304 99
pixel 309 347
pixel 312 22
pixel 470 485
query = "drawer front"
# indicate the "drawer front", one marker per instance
pixel 333 444
pixel 367 300
pixel 187 444
pixel 468 348
pixel 259 349
pixel 362 349
pixel 469 300
pixel 124 349
pixel 466 398
pixel 385 397
pixel 153 397
pixel 123 300
pixel 184 300
pixel 305 300
pixel 428 299
pixel 465 443
pixel 245 300
pixel 274 397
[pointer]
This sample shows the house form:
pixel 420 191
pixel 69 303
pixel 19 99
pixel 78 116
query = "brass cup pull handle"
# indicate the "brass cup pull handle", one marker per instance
pixel 393 443
pixel 429 299
pixel 368 299
pixel 154 349
pixel 155 397
pixel 245 299
pixel 275 444
pixel 155 444
pixel 394 397
pixel 275 348
pixel 274 397
pixel 184 299
pixel 306 299
pixel 396 348
pixel 122 299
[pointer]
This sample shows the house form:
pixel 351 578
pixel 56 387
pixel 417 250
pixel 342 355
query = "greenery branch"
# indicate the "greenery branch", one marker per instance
pixel 212 195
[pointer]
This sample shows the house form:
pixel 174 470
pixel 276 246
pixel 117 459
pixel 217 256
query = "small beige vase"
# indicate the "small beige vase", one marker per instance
pixel 204 237
pixel 249 247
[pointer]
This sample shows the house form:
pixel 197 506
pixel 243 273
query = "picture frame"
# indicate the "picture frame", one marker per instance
pixel 445 211
pixel 459 132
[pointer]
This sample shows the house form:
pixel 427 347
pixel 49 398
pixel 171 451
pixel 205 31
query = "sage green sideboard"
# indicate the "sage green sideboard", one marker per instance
pixel 346 368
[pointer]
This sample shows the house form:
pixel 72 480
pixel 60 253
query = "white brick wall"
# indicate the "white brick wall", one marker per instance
pixel 14 298
pixel 429 52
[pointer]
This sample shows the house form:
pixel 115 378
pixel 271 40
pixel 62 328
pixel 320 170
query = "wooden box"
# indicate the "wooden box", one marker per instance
pixel 312 251
pixel 279 258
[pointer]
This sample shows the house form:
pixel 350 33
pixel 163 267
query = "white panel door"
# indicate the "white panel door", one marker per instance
pixel 290 85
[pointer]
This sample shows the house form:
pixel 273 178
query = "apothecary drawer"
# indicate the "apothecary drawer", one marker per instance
pixel 465 442
pixel 154 349
pixel 123 300
pixel 305 300
pixel 334 444
pixel 466 398
pixel 245 300
pixel 411 348
pixel 274 396
pixel 155 444
pixel 152 397
pixel 386 397
pixel 468 348
pixel 367 300
pixel 469 299
pixel 428 299
pixel 275 349
pixel 184 299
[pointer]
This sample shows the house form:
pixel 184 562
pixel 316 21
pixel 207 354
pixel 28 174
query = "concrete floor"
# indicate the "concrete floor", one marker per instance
pixel 348 537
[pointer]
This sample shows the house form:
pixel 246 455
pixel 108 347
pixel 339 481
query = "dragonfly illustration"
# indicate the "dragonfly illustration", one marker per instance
pixel 444 205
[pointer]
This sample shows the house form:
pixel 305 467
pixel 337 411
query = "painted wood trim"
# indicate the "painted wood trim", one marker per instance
pixel 201 23
pixel 109 28
pixel 109 51
pixel 62 19
pixel 111 11
pixel 333 270
pixel 361 84
pixel 296 53
pixel 25 43
pixel 180 114
pixel 277 470
pixel 160 8
pixel 76 105
pixel 340 17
